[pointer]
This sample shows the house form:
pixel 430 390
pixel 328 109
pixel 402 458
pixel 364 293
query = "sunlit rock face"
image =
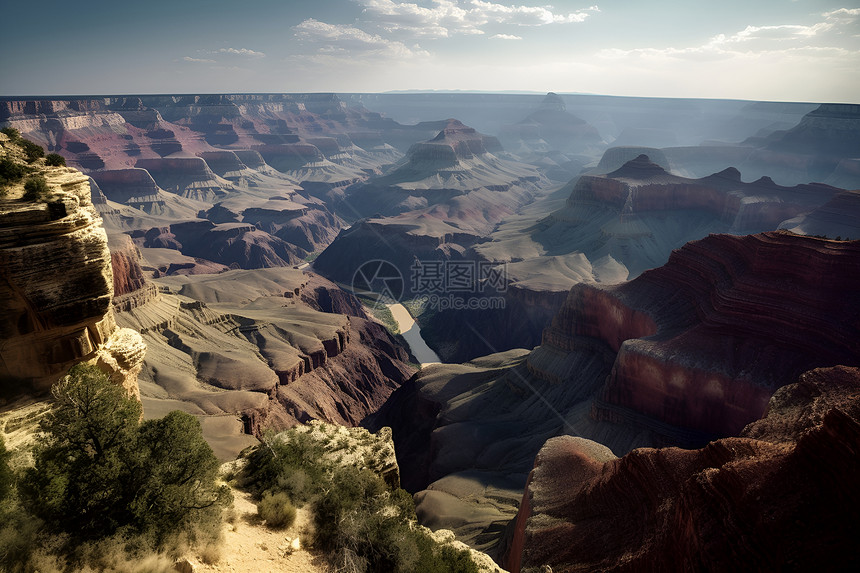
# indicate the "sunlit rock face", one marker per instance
pixel 779 496
pixel 56 290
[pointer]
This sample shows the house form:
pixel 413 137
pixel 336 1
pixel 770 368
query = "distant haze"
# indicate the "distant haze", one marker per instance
pixel 782 50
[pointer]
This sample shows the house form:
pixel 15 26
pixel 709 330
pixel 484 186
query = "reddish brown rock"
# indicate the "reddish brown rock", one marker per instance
pixel 781 497
pixel 125 262
pixel 704 341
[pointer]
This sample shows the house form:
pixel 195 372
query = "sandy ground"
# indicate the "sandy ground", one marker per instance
pixel 249 546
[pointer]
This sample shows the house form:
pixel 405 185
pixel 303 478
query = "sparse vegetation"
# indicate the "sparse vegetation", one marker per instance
pixel 6 476
pixel 277 510
pixel 358 519
pixel 36 188
pixel 10 172
pixel 32 151
pixel 380 312
pixel 55 160
pixel 107 488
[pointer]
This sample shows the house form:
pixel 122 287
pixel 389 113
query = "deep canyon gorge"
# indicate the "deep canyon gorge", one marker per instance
pixel 642 315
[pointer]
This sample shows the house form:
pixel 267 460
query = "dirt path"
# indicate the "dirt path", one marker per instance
pixel 249 546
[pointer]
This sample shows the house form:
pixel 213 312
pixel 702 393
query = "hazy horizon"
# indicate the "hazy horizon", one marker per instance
pixel 774 50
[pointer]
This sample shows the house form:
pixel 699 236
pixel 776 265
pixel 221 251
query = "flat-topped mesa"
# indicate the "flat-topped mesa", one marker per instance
pixel 186 176
pixel 455 141
pixel 56 291
pixel 234 244
pixel 702 342
pixel 643 187
pixel 830 130
pixel 286 157
pixel 128 186
pixel 224 163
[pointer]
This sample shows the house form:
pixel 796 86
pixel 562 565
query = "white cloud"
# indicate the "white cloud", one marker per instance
pixel 850 14
pixel 241 52
pixel 817 59
pixel 824 37
pixel 447 17
pixel 523 15
pixel 197 60
pixel 505 37
pixel 336 39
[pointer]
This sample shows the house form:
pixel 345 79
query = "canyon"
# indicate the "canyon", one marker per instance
pixel 656 353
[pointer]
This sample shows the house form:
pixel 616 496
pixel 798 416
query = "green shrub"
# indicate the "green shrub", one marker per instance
pixel 358 519
pixel 33 151
pixel 99 472
pixel 36 188
pixel 277 510
pixel 362 521
pixel 19 538
pixel 291 463
pixel 11 132
pixel 55 160
pixel 11 171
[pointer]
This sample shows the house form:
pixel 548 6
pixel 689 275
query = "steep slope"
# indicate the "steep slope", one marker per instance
pixel 682 354
pixel 610 228
pixel 812 149
pixel 56 287
pixel 780 496
pixel 838 218
pixel 272 347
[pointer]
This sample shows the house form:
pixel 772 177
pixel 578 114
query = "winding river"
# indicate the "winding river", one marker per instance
pixel 412 333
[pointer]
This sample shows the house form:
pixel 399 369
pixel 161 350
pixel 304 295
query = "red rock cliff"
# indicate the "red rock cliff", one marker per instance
pixel 781 497
pixel 702 342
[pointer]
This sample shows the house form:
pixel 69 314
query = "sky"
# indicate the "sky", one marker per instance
pixel 775 50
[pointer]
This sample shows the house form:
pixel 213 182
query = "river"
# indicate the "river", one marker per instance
pixel 412 333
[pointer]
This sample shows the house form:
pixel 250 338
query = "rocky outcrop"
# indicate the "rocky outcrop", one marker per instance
pixel 625 214
pixel 458 161
pixel 702 342
pixel 781 496
pixel 185 176
pixel 683 354
pixel 241 245
pixel 130 186
pixel 831 131
pixel 56 287
pixel 276 347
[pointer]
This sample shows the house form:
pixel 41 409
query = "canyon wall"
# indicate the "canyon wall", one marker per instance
pixel 56 288
pixel 681 355
pixel 702 342
pixel 780 496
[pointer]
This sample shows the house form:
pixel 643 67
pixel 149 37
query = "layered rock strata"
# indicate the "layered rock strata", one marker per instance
pixel 275 347
pixel 780 496
pixel 702 342
pixel 680 355
pixel 56 290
